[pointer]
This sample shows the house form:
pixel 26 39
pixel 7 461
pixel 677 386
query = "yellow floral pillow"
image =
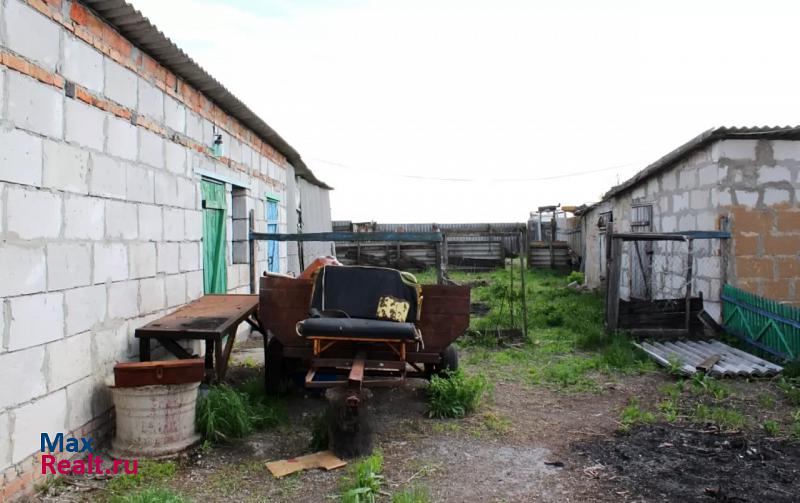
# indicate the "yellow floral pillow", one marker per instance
pixel 392 308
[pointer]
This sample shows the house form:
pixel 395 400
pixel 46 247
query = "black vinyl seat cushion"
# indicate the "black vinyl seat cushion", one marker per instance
pixel 356 328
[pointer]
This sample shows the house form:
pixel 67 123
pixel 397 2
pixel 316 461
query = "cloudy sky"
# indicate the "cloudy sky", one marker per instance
pixel 459 111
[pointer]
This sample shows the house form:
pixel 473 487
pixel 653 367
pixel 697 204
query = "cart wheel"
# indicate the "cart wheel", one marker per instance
pixel 449 361
pixel 273 367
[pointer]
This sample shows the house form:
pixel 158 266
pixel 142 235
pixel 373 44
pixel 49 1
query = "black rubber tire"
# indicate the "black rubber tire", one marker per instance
pixel 449 361
pixel 274 373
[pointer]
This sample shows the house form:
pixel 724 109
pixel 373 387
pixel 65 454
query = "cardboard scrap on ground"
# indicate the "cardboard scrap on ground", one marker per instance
pixel 322 459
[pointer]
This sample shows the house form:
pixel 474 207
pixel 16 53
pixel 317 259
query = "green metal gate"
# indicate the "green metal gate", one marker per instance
pixel 764 323
pixel 215 278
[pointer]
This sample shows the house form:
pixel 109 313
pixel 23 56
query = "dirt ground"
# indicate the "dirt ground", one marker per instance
pixel 527 443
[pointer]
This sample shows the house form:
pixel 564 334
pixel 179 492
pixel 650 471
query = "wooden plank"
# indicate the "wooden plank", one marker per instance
pixel 413 237
pixel 706 365
pixel 356 375
pixel 324 459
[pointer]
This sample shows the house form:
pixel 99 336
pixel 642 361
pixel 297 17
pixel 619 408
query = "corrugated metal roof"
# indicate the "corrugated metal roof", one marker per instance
pixel 732 362
pixel 142 33
pixel 702 140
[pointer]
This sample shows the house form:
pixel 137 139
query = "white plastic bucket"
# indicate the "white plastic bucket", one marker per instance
pixel 154 421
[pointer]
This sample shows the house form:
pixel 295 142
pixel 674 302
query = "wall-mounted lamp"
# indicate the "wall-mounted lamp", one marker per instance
pixel 216 147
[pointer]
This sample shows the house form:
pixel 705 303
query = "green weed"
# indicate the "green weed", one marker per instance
pixel 766 401
pixel 722 417
pixel 456 394
pixel 576 276
pixel 706 384
pixel 150 495
pixel 148 473
pixel 633 414
pixel 796 425
pixel 675 367
pixel 226 413
pixel 791 389
pixel 669 408
pixel 416 494
pixel 363 482
pixel 771 427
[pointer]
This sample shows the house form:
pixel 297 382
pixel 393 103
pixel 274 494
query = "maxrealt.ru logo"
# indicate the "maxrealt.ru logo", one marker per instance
pixel 78 445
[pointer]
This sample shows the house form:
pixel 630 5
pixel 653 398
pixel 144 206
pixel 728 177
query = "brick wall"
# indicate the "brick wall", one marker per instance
pixel 100 213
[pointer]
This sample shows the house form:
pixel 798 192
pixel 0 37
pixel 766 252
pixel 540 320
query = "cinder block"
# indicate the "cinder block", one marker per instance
pixel 174 115
pixel 194 285
pixel 241 252
pixel 746 197
pixel 35 106
pixel 5 442
pixel 669 223
pixel 680 202
pixel 13 366
pixel 190 257
pixel 121 220
pixel 33 213
pixel 173 224
pixel 187 193
pixel 706 221
pixel 687 178
pixel 768 174
pixel 110 346
pixel 151 101
pixel 785 150
pixel 166 191
pixel 176 157
pixel 84 125
pixel 234 149
pixel 708 175
pixel 140 184
pixel 110 262
pixel 151 223
pixel 194 225
pixel 122 140
pixel 69 360
pixel 46 414
pixel 152 296
pixel 35 319
pixel 65 167
pixel 31 34
pixel 83 218
pixel 120 84
pixel 700 199
pixel 68 265
pixel 142 260
pixel 151 148
pixel 724 198
pixel 734 149
pixel 687 223
pixel 81 397
pixel 176 290
pixel 108 177
pixel 776 196
pixel 82 64
pixel 86 307
pixel 20 157
pixel 194 127
pixel 28 273
pixel 123 299
pixel 168 257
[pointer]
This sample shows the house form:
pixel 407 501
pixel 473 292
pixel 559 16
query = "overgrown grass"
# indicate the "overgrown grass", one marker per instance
pixel 363 481
pixel 150 495
pixel 771 427
pixel 456 394
pixel 149 474
pixel 226 413
pixel 633 415
pixel 416 494
pixel 722 417
pixel 791 389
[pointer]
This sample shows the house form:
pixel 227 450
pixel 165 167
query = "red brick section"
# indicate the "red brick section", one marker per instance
pixel 766 249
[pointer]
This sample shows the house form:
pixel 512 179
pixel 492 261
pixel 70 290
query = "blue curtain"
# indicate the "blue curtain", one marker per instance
pixel 273 257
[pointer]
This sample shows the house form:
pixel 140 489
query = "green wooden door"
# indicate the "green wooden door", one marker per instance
pixel 215 279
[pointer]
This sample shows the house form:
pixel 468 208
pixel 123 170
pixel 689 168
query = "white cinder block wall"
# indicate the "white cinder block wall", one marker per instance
pixel 101 222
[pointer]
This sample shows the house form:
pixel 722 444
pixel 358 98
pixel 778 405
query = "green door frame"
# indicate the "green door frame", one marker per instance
pixel 215 276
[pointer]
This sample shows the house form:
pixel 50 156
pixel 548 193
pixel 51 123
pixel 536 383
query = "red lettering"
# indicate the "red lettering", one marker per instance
pixel 135 467
pixel 48 460
pixel 98 461
pixel 63 467
pixel 78 467
pixel 117 463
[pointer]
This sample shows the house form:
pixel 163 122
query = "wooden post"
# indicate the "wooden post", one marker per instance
pixel 445 255
pixel 511 291
pixel 524 299
pixel 252 243
pixel 613 252
pixel 439 271
pixel 689 266
pixel 552 239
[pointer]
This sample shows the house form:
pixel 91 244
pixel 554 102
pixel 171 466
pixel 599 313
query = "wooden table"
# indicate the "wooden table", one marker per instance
pixel 209 318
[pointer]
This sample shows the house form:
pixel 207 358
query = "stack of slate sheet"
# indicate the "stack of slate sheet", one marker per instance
pixel 690 354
